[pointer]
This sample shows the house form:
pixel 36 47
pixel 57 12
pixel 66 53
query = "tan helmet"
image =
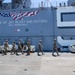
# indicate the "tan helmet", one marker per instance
pixel 6 41
pixel 40 40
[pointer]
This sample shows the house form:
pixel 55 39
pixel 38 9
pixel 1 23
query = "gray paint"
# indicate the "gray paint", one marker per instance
pixel 41 26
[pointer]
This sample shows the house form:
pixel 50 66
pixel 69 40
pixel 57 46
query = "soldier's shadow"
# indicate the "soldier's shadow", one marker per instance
pixel 17 54
pixel 39 54
pixel 54 55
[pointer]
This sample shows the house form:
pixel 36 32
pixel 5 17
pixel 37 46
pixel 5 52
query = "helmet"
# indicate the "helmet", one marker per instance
pixel 40 40
pixel 6 40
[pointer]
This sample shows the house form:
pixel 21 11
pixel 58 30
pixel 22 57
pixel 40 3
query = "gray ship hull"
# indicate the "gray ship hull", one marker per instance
pixel 35 24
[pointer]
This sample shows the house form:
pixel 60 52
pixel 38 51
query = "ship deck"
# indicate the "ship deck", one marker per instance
pixel 37 65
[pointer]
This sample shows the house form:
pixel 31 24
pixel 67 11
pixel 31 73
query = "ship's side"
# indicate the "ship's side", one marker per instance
pixel 45 23
pixel 35 24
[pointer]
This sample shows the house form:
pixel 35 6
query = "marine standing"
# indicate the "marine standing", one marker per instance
pixel 20 46
pixel 6 47
pixel 40 47
pixel 28 44
pixel 55 48
pixel 14 48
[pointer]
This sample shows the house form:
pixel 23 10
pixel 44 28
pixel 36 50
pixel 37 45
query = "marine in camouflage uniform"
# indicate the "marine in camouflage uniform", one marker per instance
pixel 14 48
pixel 40 48
pixel 28 44
pixel 20 47
pixel 55 48
pixel 5 47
